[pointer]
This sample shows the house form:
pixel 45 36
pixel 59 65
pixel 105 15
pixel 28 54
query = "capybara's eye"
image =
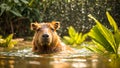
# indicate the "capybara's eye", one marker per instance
pixel 38 29
pixel 52 29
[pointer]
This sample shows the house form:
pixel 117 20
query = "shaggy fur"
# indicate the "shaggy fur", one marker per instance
pixel 45 39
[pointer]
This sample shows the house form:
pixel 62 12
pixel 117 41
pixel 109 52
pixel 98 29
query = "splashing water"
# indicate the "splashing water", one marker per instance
pixel 25 58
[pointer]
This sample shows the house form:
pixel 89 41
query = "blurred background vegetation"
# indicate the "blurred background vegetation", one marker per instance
pixel 16 15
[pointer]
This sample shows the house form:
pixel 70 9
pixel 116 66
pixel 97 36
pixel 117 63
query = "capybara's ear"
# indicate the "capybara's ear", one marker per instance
pixel 34 26
pixel 56 24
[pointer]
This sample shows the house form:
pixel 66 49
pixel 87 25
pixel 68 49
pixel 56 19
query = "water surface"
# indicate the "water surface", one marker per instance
pixel 25 58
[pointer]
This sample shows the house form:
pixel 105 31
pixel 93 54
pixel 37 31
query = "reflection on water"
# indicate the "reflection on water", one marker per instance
pixel 26 59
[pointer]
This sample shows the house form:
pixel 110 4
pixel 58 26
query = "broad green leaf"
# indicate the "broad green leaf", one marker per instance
pixel 109 37
pixel 103 37
pixel 8 39
pixel 117 39
pixel 74 37
pixel 16 13
pixel 68 39
pixel 4 7
pixel 115 29
pixel 11 44
pixel 83 37
pixel 16 1
pixel 112 22
pixel 8 42
pixel 31 2
pixel 90 48
pixel 71 31
pixel 79 40
pixel 25 1
pixel 97 36
pixel 2 42
pixel 106 33
pixel 96 49
pixel 2 11
pixel 99 47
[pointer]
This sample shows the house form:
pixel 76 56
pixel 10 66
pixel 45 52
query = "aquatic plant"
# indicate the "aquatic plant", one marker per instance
pixel 106 40
pixel 75 38
pixel 7 42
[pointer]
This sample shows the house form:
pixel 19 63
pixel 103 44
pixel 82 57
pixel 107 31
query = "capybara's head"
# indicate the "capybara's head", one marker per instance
pixel 45 34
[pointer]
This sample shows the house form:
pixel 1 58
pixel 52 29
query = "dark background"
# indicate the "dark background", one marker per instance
pixel 16 15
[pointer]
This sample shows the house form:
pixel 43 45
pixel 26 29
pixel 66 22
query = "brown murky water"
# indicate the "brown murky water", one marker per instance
pixel 43 62
pixel 26 59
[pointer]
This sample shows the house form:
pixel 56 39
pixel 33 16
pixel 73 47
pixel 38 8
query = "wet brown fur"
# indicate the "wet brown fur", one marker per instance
pixel 53 44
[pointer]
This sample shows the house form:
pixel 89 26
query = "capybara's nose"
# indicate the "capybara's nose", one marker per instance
pixel 45 35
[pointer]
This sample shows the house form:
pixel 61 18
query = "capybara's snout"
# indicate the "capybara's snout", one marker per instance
pixel 45 36
pixel 46 39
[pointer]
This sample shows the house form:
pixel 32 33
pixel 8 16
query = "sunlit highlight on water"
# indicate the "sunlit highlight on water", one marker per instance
pixel 34 62
pixel 80 59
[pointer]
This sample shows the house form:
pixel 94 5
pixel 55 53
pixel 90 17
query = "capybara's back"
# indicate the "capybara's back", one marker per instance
pixel 45 39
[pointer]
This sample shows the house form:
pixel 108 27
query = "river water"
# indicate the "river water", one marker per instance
pixel 82 58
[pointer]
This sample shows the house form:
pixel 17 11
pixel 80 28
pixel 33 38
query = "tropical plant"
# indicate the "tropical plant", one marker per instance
pixel 71 12
pixel 7 42
pixel 14 12
pixel 74 37
pixel 106 40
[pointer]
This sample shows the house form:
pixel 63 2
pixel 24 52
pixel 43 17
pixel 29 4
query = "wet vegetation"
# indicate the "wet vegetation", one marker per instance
pixel 75 38
pixel 107 40
pixel 7 42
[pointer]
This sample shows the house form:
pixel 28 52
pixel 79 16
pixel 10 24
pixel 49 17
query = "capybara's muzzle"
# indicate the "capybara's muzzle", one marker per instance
pixel 45 36
pixel 45 39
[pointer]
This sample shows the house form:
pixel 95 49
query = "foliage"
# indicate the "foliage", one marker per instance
pixel 14 12
pixel 16 15
pixel 7 42
pixel 106 40
pixel 74 37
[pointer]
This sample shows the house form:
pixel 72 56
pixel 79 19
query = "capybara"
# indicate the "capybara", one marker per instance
pixel 45 39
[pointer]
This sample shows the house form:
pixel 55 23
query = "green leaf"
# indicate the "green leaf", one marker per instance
pixel 112 22
pixel 71 31
pixel 68 40
pixel 11 44
pixel 100 48
pixel 117 39
pixel 25 1
pixel 106 33
pixel 16 1
pixel 102 36
pixel 84 36
pixel 74 37
pixel 115 30
pixel 16 13
pixel 2 11
pixel 79 40
pixel 4 7
pixel 8 40
pixel 98 37
pixel 31 2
